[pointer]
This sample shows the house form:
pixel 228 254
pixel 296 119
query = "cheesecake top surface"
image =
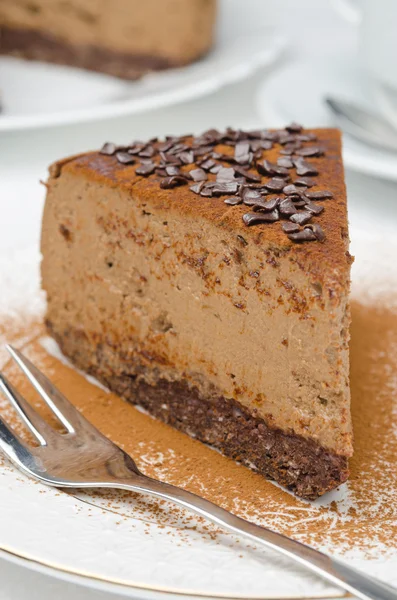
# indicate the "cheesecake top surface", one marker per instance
pixel 282 189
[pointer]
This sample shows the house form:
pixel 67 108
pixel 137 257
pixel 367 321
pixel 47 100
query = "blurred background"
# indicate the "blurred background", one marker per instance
pixel 269 63
pixel 263 63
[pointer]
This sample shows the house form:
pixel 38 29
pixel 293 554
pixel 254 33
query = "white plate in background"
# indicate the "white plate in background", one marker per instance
pixel 35 94
pixel 296 92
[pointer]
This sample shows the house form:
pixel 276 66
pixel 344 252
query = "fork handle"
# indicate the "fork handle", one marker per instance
pixel 337 573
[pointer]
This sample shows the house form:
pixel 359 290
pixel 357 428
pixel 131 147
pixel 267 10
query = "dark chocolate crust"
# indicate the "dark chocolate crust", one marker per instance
pixel 299 464
pixel 35 45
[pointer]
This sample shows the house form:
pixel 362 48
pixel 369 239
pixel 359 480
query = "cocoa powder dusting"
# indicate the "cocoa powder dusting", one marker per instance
pixel 362 515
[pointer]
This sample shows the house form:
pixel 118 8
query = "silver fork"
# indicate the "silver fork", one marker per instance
pixel 83 457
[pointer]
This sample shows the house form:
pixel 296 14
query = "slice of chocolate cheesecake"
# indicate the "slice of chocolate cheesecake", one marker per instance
pixel 206 279
pixel 125 38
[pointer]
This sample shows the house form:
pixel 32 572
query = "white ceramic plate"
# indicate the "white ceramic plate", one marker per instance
pixel 59 534
pixel 80 538
pixel 297 91
pixel 35 94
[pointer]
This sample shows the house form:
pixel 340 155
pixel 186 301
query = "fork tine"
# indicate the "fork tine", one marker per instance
pixel 12 445
pixel 60 406
pixel 37 425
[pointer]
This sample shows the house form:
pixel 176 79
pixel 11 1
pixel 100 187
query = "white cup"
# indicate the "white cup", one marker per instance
pixel 377 23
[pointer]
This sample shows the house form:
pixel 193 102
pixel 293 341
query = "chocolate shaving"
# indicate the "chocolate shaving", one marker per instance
pixel 266 168
pixel 108 148
pixel 254 218
pixel 281 172
pixel 254 134
pixel 301 218
pixel 233 201
pixel 286 139
pixel 251 197
pixel 169 159
pixel 172 170
pixel 306 137
pixel 241 153
pixel 288 150
pixel 317 230
pixel 286 163
pixel 255 146
pixel 197 187
pixel 269 135
pixel 206 190
pixel 148 152
pixel 304 168
pixel 166 146
pixel 135 148
pixel 315 209
pixel 170 182
pixel 145 169
pixel 248 176
pixel 306 235
pixel 198 175
pixel 289 227
pixel 287 208
pixel 124 158
pixel 294 128
pixel 320 195
pixel 275 185
pixel 225 175
pixel 203 151
pixel 266 145
pixel 187 157
pixel 208 164
pixel 299 201
pixel 212 136
pixel 310 151
pixel 305 182
pixel 225 188
pixel 290 189
pixel 269 205
pixel 178 148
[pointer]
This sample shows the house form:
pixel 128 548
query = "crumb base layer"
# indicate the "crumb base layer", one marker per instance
pixel 299 464
pixel 35 45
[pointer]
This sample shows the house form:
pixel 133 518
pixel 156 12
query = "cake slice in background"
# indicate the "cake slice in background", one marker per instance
pixel 125 38
pixel 207 280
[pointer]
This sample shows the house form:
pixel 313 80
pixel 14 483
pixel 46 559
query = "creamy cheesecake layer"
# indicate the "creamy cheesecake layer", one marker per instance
pixel 173 31
pixel 170 296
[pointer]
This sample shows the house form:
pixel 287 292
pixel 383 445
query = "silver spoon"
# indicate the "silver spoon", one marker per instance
pixel 362 124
